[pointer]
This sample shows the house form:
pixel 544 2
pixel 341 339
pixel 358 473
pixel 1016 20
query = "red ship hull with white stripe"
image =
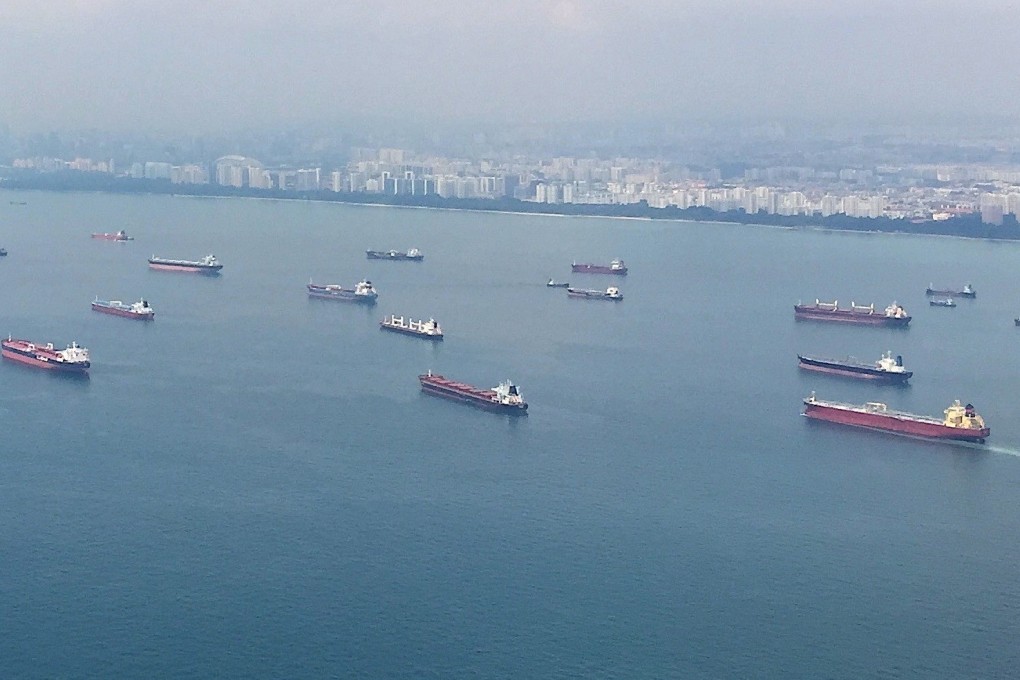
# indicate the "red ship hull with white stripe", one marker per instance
pixel 894 423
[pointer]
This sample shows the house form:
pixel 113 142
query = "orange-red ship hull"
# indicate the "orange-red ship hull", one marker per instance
pixel 894 423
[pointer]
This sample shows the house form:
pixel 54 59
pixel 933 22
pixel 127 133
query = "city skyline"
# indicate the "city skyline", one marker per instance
pixel 194 67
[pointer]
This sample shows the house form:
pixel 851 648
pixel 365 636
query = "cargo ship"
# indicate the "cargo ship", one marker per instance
pixel 966 292
pixel 116 236
pixel 504 398
pixel 552 283
pixel 886 369
pixel 207 265
pixel 960 423
pixel 942 302
pixel 615 267
pixel 894 314
pixel 612 293
pixel 413 255
pixel 363 292
pixel 136 310
pixel 429 330
pixel 73 360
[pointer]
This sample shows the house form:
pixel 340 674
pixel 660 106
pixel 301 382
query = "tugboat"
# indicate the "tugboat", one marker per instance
pixel 117 236
pixel 967 291
pixel 960 423
pixel 413 255
pixel 942 302
pixel 615 267
pixel 207 265
pixel 886 369
pixel 429 330
pixel 504 398
pixel 363 292
pixel 894 314
pixel 74 359
pixel 612 293
pixel 552 283
pixel 136 310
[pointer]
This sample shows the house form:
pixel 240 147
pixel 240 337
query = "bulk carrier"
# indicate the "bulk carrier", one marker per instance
pixel 960 423
pixel 504 398
pixel 412 255
pixel 115 236
pixel 615 267
pixel 136 310
pixel 363 292
pixel 886 369
pixel 894 315
pixel 612 293
pixel 207 265
pixel 74 359
pixel 430 330
pixel 966 292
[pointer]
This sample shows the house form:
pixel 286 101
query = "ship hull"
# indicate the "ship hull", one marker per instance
pixel 597 269
pixel 587 296
pixel 476 398
pixel 849 317
pixel 342 297
pixel 126 313
pixel 894 424
pixel 409 331
pixel 853 371
pixel 32 359
pixel 951 293
pixel 187 268
pixel 112 237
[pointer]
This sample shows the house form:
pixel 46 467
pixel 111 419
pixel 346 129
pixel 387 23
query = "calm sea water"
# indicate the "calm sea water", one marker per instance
pixel 253 485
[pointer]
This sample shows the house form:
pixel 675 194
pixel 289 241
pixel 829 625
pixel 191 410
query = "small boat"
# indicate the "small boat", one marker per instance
pixel 3 252
pixel 19 202
pixel 942 302
pixel 611 293
pixel 363 292
pixel 1016 321
pixel 413 255
pixel 116 236
pixel 430 330
pixel 137 310
pixel 966 292
pixel 557 284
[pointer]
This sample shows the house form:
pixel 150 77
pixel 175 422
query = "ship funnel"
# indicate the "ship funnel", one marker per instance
pixel 899 359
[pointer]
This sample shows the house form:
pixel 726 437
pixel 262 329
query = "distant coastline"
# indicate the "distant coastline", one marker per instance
pixel 969 225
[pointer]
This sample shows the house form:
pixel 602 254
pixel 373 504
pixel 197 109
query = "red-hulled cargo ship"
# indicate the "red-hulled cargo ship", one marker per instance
pixel 74 359
pixel 894 315
pixel 504 398
pixel 960 423
pixel 136 310
pixel 615 267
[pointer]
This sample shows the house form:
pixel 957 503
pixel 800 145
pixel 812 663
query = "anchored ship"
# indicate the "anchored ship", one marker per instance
pixel 894 314
pixel 116 236
pixel 413 255
pixel 942 302
pixel 552 283
pixel 362 292
pixel 207 265
pixel 885 369
pixel 74 359
pixel 423 329
pixel 504 398
pixel 611 293
pixel 615 267
pixel 967 291
pixel 136 310
pixel 959 423
pixel 3 251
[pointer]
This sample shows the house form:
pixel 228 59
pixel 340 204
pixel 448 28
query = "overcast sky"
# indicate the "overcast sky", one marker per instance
pixel 199 66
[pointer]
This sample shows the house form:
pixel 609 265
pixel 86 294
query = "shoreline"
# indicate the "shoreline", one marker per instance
pixel 495 210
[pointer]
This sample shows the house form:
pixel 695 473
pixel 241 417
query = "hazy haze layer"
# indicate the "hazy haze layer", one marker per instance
pixel 198 66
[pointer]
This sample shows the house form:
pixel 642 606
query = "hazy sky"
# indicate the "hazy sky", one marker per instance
pixel 196 66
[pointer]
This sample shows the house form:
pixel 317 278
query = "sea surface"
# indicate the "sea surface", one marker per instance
pixel 253 485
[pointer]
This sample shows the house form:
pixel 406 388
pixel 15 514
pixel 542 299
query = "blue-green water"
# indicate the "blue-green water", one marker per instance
pixel 253 485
